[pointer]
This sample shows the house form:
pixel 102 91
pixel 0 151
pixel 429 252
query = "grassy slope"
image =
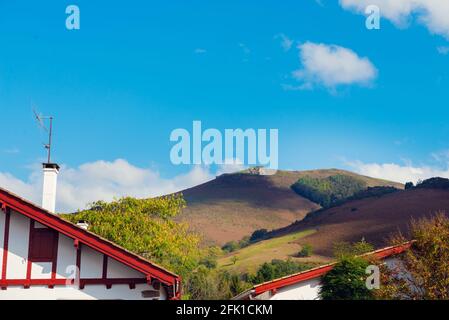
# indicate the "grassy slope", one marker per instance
pixel 374 219
pixel 251 257
pixel 233 206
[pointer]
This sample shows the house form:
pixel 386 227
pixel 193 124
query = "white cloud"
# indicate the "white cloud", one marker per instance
pixel 331 66
pixel 103 180
pixel 396 172
pixel 200 51
pixel 432 13
pixel 444 50
pixel 245 48
pixel 286 42
pixel 230 166
pixel 11 151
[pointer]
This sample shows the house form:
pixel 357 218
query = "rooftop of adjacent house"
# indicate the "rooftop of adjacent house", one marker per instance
pixel 315 272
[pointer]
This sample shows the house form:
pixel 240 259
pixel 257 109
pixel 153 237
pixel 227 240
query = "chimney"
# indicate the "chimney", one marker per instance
pixel 83 224
pixel 51 171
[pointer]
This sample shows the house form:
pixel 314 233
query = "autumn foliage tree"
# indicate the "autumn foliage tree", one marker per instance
pixel 423 271
pixel 146 227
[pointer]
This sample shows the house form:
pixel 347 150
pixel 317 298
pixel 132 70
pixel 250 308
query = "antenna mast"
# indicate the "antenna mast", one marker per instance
pixel 41 121
pixel 48 146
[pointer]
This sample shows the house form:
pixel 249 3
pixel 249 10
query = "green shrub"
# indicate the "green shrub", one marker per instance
pixel 206 284
pixel 347 250
pixel 434 183
pixel 277 269
pixel 209 262
pixel 258 235
pixel 409 185
pixel 230 246
pixel 372 192
pixel 346 281
pixel 306 251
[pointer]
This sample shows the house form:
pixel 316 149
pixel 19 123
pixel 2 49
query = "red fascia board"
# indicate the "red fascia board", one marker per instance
pixel 308 275
pixel 103 246
pixel 64 282
pixel 388 252
pixel 318 272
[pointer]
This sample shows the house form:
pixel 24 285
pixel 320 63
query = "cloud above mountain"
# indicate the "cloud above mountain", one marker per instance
pixel 397 172
pixel 106 180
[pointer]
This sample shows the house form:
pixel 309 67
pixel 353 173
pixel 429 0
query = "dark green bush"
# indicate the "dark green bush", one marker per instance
pixel 277 269
pixel 346 281
pixel 306 251
pixel 230 246
pixel 328 191
pixel 258 235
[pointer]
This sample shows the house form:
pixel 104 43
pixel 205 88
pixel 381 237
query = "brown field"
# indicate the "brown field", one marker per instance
pixel 373 219
pixel 235 205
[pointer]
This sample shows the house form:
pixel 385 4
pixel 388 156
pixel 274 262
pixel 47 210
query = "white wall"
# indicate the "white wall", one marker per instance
pixel 307 290
pixel 95 292
pixel 91 268
pixel 66 258
pixel 118 270
pixel 91 263
pixel 19 229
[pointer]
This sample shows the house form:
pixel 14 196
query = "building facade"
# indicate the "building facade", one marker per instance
pixel 45 257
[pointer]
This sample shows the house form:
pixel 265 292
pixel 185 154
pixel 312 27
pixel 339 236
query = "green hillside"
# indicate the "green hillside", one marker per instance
pixel 233 206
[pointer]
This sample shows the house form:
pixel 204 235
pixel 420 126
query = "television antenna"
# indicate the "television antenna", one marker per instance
pixel 42 120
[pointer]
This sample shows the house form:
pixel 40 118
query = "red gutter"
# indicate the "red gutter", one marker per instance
pixel 97 243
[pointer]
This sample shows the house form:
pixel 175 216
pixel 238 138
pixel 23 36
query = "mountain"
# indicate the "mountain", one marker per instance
pixel 374 218
pixel 233 206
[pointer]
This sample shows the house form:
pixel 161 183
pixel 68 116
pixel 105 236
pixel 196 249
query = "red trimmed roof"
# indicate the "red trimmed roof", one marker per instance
pixel 151 270
pixel 317 272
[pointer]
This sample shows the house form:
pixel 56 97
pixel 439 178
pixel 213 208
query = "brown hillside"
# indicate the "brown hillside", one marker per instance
pixel 235 205
pixel 374 219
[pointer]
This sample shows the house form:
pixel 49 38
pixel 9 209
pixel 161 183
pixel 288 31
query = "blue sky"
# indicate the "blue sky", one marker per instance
pixel 132 74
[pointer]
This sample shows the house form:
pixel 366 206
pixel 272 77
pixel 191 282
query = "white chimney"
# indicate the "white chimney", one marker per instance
pixel 83 224
pixel 51 171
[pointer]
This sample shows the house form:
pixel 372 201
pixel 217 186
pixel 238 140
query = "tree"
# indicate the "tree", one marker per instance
pixel 409 185
pixel 346 250
pixel 231 246
pixel 346 281
pixel 306 251
pixel 206 284
pixel 423 271
pixel 330 190
pixel 277 269
pixel 258 235
pixel 146 227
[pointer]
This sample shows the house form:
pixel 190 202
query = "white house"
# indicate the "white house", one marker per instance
pixel 306 285
pixel 44 257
